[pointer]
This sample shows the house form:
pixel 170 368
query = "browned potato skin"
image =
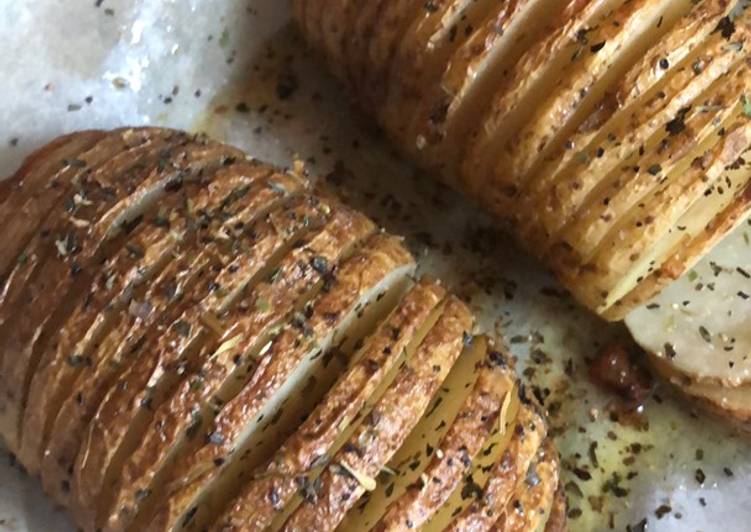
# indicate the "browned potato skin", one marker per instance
pixel 476 421
pixel 252 508
pixel 392 419
pixel 530 180
pixel 63 428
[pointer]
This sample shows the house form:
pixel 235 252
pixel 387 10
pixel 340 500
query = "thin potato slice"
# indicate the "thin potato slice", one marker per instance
pixel 697 325
pixel 534 495
pixel 416 453
pixel 46 176
pixel 528 435
pixel 253 323
pixel 526 82
pixel 90 322
pixel 599 149
pixel 447 110
pixel 422 58
pixel 658 171
pixel 343 408
pixel 375 441
pixel 619 267
pixel 480 415
pixel 85 236
pixel 615 45
pixel 234 437
pixel 128 334
pixel 166 360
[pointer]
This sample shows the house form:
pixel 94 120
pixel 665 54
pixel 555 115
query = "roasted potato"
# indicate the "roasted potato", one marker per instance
pixel 195 340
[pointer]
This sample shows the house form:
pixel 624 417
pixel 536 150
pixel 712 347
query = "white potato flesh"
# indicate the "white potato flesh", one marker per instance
pixel 700 323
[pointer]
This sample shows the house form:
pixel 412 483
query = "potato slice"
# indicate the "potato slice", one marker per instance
pixel 81 240
pixel 729 404
pixel 483 464
pixel 128 334
pixel 420 493
pixel 663 168
pixel 697 231
pixel 697 325
pixel 235 435
pixel 657 90
pixel 527 436
pixel 324 432
pixel 136 264
pixel 45 178
pixel 167 359
pixel 254 322
pixel 534 495
pixel 447 110
pixel 422 58
pixel 526 82
pixel 376 440
pixel 619 268
pixel 614 46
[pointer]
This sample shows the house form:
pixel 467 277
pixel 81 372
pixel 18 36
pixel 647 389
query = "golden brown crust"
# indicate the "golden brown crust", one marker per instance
pixel 529 432
pixel 380 435
pixel 113 290
pixel 629 113
pixel 534 495
pixel 250 324
pixel 252 508
pixel 26 196
pixel 205 256
pixel 356 278
pixel 165 360
pixel 477 419
pixel 92 381
pixel 57 263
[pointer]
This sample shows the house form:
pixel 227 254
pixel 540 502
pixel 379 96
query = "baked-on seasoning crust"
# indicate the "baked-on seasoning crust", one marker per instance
pixel 207 344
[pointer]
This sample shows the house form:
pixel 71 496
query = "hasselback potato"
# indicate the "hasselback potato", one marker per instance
pixel 610 137
pixel 195 340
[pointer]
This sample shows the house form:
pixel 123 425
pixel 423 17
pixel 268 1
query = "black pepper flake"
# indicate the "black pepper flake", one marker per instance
pixel 726 27
pixel 678 124
pixel 705 334
pixel 597 47
pixel 320 264
pixel 670 350
pixel 662 511
pixel 655 169
pixel 700 476
pixel 182 328
pixel 582 474
pixel 242 107
pixel 216 438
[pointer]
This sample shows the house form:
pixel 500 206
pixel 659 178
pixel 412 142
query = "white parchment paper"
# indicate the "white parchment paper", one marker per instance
pixel 235 69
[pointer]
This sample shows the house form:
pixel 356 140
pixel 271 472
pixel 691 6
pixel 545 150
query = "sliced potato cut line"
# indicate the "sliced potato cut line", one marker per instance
pixel 639 24
pixel 113 358
pixel 239 421
pixel 42 284
pixel 492 449
pixel 225 372
pixel 45 400
pixel 345 406
pixel 381 435
pixel 533 74
pixel 412 458
pixel 639 87
pixel 727 155
pixel 663 166
pixel 179 351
